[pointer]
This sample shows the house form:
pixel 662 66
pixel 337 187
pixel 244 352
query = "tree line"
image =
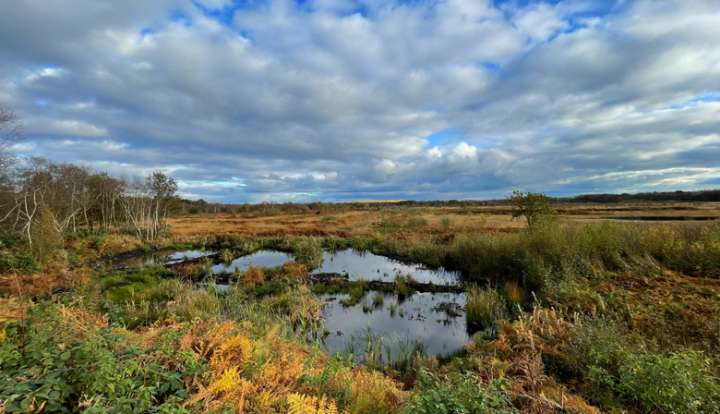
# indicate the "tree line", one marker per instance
pixel 41 200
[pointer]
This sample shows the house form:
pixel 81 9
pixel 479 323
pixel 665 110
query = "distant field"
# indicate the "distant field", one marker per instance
pixel 430 221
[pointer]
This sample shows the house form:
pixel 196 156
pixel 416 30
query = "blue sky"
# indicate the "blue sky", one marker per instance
pixel 290 100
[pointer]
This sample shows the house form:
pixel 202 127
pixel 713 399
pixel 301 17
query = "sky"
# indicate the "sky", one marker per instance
pixel 334 100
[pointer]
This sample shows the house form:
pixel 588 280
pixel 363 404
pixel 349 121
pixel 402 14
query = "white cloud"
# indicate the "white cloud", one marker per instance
pixel 335 98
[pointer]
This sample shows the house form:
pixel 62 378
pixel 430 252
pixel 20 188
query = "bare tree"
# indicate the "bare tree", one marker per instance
pixel 145 204
pixel 9 134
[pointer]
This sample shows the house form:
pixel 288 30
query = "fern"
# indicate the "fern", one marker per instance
pixel 307 404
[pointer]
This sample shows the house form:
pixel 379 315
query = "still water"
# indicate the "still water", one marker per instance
pixel 368 266
pixel 433 321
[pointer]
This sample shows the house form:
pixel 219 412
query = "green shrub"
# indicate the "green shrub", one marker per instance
pixel 619 369
pixel 47 363
pixel 18 262
pixel 459 394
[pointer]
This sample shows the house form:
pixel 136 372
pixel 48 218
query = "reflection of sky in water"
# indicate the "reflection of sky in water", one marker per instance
pixel 162 258
pixel 368 266
pixel 186 255
pixel 415 320
pixel 262 258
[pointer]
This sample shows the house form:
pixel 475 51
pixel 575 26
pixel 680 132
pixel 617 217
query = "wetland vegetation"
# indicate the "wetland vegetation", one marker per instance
pixel 387 310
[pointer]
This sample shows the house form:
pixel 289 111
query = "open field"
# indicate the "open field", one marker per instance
pixel 603 308
pixel 490 218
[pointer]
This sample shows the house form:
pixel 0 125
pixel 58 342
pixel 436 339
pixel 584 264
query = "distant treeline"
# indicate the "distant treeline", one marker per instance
pixel 687 196
pixel 203 207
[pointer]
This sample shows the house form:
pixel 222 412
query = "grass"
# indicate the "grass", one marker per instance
pixel 616 317
pixel 484 307
pixel 378 300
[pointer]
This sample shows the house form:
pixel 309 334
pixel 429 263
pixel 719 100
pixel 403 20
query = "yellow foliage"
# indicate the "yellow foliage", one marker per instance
pixel 307 404
pixel 263 374
pixel 372 391
pixel 228 389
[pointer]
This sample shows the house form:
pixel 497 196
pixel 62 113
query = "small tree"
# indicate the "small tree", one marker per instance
pixel 535 207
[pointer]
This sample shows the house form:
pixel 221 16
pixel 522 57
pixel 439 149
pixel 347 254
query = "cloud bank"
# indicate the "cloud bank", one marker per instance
pixel 275 100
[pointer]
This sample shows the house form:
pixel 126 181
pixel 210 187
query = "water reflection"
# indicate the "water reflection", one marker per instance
pixel 435 321
pixel 368 266
pixel 262 258
pixel 160 258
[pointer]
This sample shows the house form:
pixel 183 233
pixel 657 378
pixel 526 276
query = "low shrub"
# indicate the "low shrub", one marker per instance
pixel 458 394
pixel 61 357
pixel 619 369
pixel 18 262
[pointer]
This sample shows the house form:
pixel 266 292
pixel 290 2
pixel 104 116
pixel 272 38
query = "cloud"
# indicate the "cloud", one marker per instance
pixel 336 99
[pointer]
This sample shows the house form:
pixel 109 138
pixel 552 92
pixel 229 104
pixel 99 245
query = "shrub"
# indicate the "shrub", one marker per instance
pixel 620 368
pixel 59 354
pixel 46 239
pixel 18 262
pixel 459 394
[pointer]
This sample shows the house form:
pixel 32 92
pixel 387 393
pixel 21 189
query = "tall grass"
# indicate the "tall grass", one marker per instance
pixel 484 307
pixel 553 252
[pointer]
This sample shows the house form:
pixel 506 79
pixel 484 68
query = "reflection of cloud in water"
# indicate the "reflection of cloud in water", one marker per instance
pixel 262 258
pixel 415 320
pixel 368 266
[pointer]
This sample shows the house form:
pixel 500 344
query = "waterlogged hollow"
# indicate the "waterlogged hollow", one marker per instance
pixel 432 322
pixel 262 258
pixel 359 265
pixel 161 258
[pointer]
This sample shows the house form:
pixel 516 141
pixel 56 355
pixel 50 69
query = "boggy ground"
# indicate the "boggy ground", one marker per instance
pixel 447 221
pixel 588 316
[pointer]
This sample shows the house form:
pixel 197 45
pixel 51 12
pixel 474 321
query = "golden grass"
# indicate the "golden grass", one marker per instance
pixel 254 276
pixel 461 220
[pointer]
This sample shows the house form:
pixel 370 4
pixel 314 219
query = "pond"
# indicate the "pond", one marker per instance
pixel 359 265
pixel 262 258
pixel 392 328
pixel 159 258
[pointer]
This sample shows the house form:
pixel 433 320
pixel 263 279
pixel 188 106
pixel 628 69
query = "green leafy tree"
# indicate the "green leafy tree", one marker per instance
pixel 534 207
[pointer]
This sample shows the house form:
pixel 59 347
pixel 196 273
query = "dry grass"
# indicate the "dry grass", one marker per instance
pixel 254 276
pixel 433 222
